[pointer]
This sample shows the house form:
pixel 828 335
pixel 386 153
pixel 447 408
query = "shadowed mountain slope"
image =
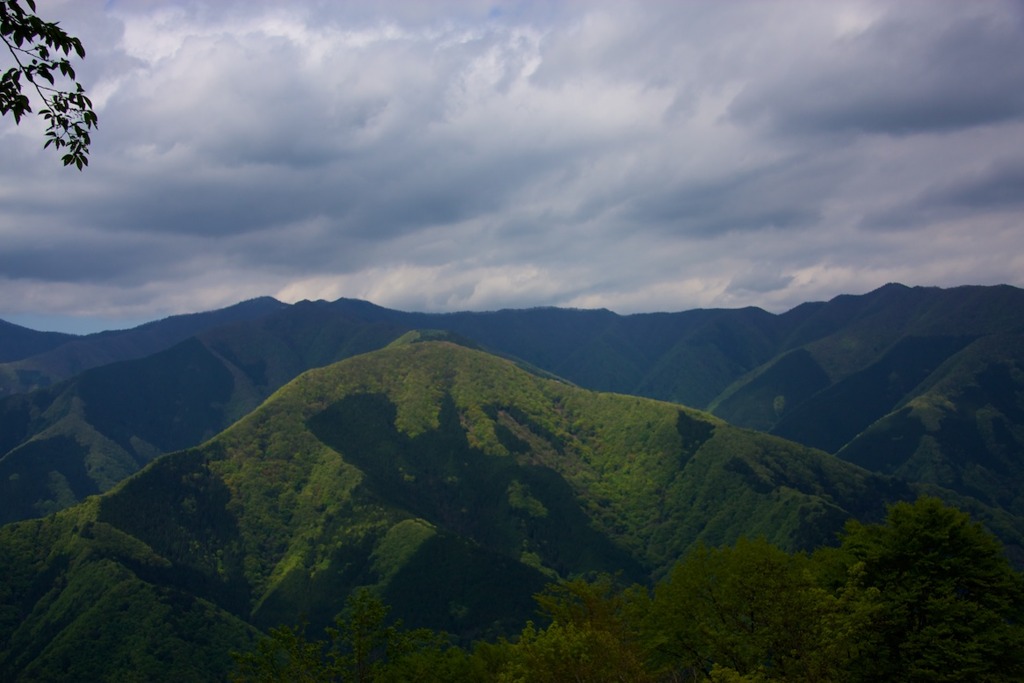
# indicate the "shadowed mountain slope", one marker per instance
pixel 17 342
pixel 82 436
pixel 686 357
pixel 49 364
pixel 922 383
pixel 963 429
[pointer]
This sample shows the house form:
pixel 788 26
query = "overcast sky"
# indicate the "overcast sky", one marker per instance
pixel 437 156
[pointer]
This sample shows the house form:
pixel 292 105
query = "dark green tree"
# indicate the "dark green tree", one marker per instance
pixel 364 645
pixel 284 655
pixel 361 648
pixel 747 613
pixel 594 636
pixel 41 52
pixel 945 603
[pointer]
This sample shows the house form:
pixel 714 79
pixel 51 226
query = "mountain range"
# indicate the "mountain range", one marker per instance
pixel 452 482
pixel 323 446
pixel 923 383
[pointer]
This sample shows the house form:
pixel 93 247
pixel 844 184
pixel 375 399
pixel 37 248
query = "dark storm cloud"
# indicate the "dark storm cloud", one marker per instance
pixel 99 262
pixel 996 189
pixel 921 69
pixel 648 156
pixel 1001 186
pixel 785 195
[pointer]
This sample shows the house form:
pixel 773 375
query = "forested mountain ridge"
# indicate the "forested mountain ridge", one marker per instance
pixel 924 383
pixel 44 363
pixel 17 342
pixel 963 429
pixel 651 354
pixel 453 483
pixel 81 436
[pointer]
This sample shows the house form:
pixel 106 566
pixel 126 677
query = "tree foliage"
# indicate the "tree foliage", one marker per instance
pixel 41 51
pixel 592 636
pixel 750 611
pixel 362 647
pixel 945 603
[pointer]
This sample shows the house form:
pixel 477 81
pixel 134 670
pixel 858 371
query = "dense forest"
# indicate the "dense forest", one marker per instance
pixel 926 596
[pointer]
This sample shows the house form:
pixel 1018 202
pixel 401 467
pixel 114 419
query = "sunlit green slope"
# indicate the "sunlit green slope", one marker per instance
pixel 450 481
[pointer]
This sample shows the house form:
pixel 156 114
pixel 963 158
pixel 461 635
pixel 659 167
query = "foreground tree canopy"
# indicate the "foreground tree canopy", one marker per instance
pixel 41 51
pixel 926 596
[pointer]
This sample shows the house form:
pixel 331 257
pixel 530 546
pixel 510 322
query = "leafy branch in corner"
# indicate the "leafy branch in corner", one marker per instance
pixel 41 52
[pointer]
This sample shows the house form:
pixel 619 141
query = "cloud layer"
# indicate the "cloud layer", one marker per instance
pixel 469 155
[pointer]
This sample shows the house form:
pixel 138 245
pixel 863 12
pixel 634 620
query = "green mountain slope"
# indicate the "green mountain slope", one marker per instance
pixel 924 384
pixel 450 481
pixel 63 443
pixel 964 430
pixel 835 414
pixel 847 363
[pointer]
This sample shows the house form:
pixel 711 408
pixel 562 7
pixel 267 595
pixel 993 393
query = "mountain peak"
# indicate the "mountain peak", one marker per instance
pixel 420 336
